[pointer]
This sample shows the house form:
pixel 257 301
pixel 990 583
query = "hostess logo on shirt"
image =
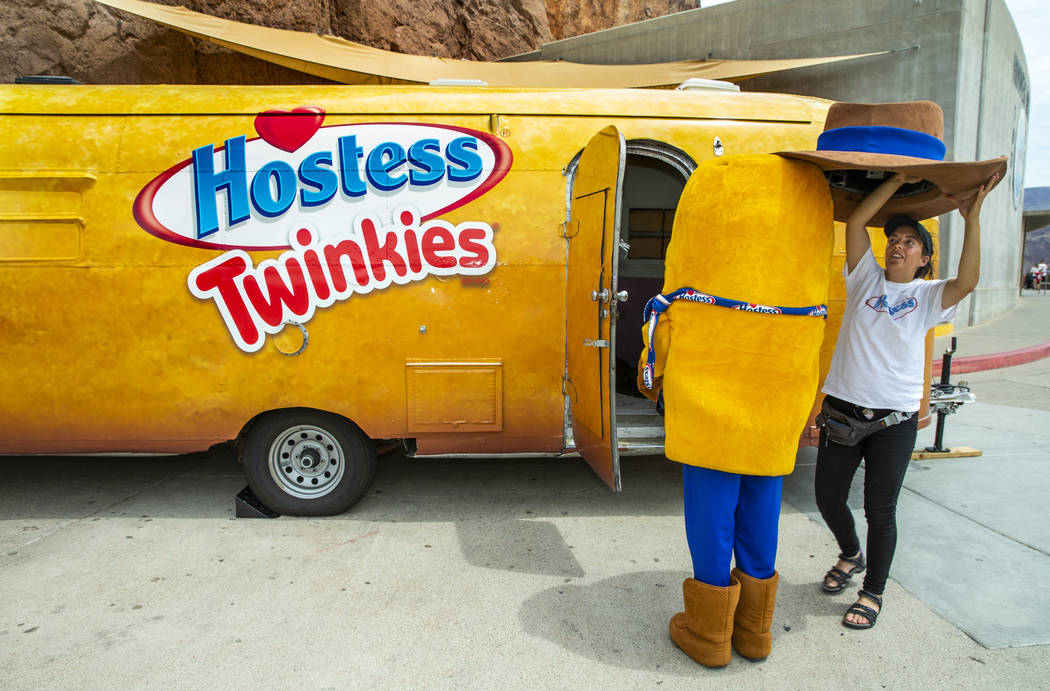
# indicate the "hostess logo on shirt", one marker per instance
pixel 880 303
pixel 245 193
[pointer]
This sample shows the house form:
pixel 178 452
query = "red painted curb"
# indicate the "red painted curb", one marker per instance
pixel 979 363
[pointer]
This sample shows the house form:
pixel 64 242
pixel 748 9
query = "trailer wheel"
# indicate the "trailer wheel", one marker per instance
pixel 305 462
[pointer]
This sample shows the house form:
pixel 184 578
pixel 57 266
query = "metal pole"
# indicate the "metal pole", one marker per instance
pixel 946 373
pixel 945 376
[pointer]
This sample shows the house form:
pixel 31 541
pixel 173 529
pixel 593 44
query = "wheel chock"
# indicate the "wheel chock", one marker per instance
pixel 247 505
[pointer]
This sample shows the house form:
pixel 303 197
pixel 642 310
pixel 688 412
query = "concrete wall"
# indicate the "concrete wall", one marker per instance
pixel 963 54
pixel 999 104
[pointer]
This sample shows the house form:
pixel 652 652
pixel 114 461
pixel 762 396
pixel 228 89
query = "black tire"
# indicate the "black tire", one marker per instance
pixel 304 462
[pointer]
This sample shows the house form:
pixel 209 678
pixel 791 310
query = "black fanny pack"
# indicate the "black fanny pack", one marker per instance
pixel 848 430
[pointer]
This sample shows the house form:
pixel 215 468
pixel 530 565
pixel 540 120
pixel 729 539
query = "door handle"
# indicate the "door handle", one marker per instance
pixel 622 296
pixel 600 296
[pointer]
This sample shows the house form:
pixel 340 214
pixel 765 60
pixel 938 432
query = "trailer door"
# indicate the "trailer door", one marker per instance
pixel 592 231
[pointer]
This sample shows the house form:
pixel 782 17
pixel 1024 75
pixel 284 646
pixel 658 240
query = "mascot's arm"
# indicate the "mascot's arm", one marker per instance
pixel 662 340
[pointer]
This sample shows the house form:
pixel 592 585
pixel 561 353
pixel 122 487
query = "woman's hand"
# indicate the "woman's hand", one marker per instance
pixel 857 240
pixel 903 179
pixel 870 205
pixel 970 208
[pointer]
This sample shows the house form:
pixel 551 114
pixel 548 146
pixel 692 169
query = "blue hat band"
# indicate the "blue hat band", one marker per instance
pixel 882 140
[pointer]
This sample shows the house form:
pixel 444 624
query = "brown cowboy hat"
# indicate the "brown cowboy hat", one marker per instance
pixel 863 144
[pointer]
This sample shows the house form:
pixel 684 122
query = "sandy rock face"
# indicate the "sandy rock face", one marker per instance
pixel 574 17
pixel 471 29
pixel 95 44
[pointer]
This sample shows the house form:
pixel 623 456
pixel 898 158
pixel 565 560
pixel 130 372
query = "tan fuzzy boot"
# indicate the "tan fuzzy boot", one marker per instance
pixel 704 629
pixel 754 615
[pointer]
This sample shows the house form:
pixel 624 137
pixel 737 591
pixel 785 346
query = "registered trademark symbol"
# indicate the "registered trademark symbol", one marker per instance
pixel 504 133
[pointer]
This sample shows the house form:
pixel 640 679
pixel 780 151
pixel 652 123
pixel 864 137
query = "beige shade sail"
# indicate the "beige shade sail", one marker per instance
pixel 343 61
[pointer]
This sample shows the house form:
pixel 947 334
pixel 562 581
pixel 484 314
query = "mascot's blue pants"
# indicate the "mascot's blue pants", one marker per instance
pixel 727 514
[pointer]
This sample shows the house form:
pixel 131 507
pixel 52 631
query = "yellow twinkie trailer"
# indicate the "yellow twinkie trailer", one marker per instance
pixel 309 270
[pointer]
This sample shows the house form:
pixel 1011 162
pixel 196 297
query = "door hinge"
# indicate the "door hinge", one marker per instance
pixel 568 389
pixel 601 343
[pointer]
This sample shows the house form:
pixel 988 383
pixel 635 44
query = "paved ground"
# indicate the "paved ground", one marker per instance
pixel 133 573
pixel 1026 326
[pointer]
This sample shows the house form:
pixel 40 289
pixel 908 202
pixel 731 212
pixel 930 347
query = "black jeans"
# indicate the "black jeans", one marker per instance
pixel 886 454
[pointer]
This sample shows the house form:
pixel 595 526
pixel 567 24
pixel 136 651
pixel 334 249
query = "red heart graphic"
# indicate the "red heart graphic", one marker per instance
pixel 288 130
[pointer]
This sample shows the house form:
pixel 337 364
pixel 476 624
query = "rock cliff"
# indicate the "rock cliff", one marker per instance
pixel 96 44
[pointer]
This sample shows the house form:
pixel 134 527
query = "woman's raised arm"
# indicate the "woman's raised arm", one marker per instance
pixel 970 257
pixel 857 240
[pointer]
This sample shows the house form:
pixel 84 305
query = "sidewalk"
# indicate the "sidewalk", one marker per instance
pixel 120 573
pixel 1021 335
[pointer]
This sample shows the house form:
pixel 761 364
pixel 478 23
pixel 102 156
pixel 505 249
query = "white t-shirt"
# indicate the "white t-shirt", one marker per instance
pixel 880 354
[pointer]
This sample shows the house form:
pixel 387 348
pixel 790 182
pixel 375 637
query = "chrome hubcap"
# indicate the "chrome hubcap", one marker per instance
pixel 306 461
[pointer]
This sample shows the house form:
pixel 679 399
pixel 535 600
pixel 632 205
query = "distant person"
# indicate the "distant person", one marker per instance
pixel 877 375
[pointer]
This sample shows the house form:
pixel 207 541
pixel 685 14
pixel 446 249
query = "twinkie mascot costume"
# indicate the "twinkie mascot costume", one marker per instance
pixel 736 338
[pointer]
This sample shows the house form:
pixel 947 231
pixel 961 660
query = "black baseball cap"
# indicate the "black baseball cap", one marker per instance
pixel 904 220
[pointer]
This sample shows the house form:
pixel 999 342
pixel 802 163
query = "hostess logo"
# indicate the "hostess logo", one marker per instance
pixel 697 296
pixel 760 309
pixel 246 193
pixel 880 303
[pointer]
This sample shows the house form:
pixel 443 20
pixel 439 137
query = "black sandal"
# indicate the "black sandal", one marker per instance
pixel 841 577
pixel 872 615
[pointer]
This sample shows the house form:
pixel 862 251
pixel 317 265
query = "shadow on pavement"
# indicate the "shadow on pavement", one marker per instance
pixel 464 490
pixel 623 620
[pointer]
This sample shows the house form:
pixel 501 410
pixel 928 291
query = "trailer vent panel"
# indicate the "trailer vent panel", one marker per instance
pixel 454 395
pixel 41 215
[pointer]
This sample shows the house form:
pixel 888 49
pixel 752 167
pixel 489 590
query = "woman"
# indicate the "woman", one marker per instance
pixel 877 374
